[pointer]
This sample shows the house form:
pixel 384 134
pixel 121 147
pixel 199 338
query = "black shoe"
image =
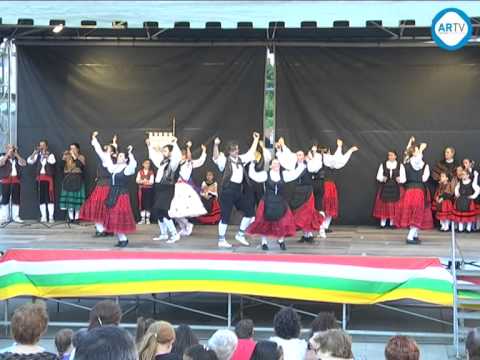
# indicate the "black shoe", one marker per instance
pixel 121 244
pixel 109 234
pixel 265 247
pixel 414 241
pixel 309 239
pixel 302 239
pixel 282 245
pixel 328 230
pixel 100 234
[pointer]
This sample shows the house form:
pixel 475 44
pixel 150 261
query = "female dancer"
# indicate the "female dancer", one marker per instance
pixel 73 185
pixel 145 180
pixel 464 210
pixel 443 201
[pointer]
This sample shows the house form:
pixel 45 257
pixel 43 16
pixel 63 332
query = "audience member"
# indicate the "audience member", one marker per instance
pixel 158 342
pixel 106 312
pixel 323 322
pixel 267 350
pixel 198 352
pixel 106 343
pixel 184 338
pixel 287 328
pixel 77 337
pixel 224 343
pixel 333 344
pixel 142 326
pixel 29 322
pixel 63 343
pixel 246 344
pixel 402 348
pixel 472 345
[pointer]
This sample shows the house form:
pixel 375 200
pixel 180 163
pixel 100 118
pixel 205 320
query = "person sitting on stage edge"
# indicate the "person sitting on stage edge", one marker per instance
pixel 45 171
pixel 209 196
pixel 73 184
pixel 232 195
pixel 106 343
pixel 11 165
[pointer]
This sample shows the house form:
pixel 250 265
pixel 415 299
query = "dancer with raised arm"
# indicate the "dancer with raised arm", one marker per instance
pixel 11 167
pixel 232 194
pixel 94 208
pixel 166 158
pixel 45 162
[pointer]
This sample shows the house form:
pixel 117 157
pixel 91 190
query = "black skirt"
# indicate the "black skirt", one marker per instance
pixel 163 196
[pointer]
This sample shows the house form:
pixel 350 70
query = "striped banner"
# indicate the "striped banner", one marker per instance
pixel 336 279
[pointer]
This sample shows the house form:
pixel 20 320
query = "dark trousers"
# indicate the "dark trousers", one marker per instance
pixel 13 191
pixel 232 196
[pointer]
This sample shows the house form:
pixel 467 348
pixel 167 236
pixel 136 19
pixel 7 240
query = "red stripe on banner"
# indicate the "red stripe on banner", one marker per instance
pixel 403 263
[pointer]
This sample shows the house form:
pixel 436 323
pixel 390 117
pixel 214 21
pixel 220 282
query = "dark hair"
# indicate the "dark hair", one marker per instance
pixel 472 344
pixel 29 322
pixel 198 352
pixel 169 147
pixel 142 326
pixel 401 348
pixel 106 312
pixel 267 350
pixel 231 145
pixel 106 343
pixel 44 141
pixel 287 323
pixel 323 322
pixel 184 338
pixel 63 341
pixel 78 337
pixel 77 145
pixel 393 152
pixel 244 329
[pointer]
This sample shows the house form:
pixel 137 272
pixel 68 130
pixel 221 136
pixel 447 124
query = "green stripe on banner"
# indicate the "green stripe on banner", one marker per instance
pixel 302 281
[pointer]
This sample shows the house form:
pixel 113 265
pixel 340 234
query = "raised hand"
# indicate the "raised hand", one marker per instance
pixel 281 141
pixel 217 141
pixel 256 135
pixel 174 140
pixel 188 144
pixel 354 148
pixel 130 149
pixel 204 148
pixel 314 149
pixel 339 142
pixel 94 135
pixel 147 141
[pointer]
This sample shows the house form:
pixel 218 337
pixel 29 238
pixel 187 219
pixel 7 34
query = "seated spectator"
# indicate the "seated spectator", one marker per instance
pixel 472 345
pixel 223 342
pixel 198 352
pixel 246 344
pixel 184 338
pixel 106 312
pixel 286 324
pixel 267 350
pixel 333 344
pixel 77 337
pixel 63 343
pixel 158 342
pixel 142 326
pixel 323 322
pixel 106 343
pixel 402 348
pixel 29 323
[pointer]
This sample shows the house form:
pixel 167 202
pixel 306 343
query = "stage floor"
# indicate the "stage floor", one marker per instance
pixel 344 240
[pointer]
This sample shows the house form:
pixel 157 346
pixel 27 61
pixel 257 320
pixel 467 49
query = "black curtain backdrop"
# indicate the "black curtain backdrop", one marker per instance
pixel 66 92
pixel 377 98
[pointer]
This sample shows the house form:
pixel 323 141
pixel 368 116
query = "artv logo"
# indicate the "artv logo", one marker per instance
pixel 451 29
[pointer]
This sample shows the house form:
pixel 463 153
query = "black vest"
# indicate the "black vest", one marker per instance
pixel 390 190
pixel 228 171
pixel 414 177
pixel 120 187
pixel 49 168
pixel 6 169
pixel 274 203
pixel 169 177
pixel 463 202
pixel 103 176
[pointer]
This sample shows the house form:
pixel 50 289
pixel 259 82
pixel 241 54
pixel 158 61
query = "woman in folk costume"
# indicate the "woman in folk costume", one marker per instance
pixel 464 210
pixel 209 196
pixel 187 203
pixel 415 209
pixel 301 199
pixel 145 180
pixel 443 201
pixel 166 158
pixel 390 176
pixel 261 162
pixel 94 208
pixel 119 218
pixel 274 218
pixel 323 165
pixel 72 196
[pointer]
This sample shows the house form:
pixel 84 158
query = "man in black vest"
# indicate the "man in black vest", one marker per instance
pixel 45 163
pixel 11 164
pixel 234 177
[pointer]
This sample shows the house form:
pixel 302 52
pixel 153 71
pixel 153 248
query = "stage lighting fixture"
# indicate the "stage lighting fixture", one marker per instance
pixel 276 24
pixel 27 22
pixel 150 24
pixel 182 25
pixel 245 25
pixel 88 23
pixel 308 24
pixel 213 25
pixel 119 24
pixel 341 23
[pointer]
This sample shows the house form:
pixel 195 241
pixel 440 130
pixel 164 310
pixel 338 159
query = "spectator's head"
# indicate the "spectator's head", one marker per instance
pixel 142 326
pixel 29 322
pixel 63 342
pixel 105 312
pixel 147 164
pixel 184 338
pixel 158 339
pixel 267 350
pixel 223 342
pixel 106 343
pixel 402 348
pixel 210 176
pixel 244 329
pixel 472 344
pixel 332 343
pixel 449 153
pixel 287 324
pixel 323 322
pixel 198 352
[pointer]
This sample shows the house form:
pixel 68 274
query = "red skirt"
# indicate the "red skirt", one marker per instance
pixel 213 217
pixel 94 208
pixel 307 218
pixel 120 219
pixel 465 216
pixel 414 210
pixel 386 210
pixel 443 211
pixel 283 227
pixel 330 199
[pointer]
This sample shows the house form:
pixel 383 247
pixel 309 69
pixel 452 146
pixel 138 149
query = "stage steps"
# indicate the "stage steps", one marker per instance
pixel 468 309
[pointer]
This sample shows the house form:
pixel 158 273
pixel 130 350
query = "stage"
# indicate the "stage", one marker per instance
pixel 344 240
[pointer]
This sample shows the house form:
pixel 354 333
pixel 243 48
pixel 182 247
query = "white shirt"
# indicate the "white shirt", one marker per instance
pixel 50 159
pixel 237 170
pixel 157 158
pixel 392 165
pixel 187 167
pixel 105 158
pixel 127 169
pixel 293 349
pixel 151 179
pixel 262 176
pixel 335 161
pixel 475 186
